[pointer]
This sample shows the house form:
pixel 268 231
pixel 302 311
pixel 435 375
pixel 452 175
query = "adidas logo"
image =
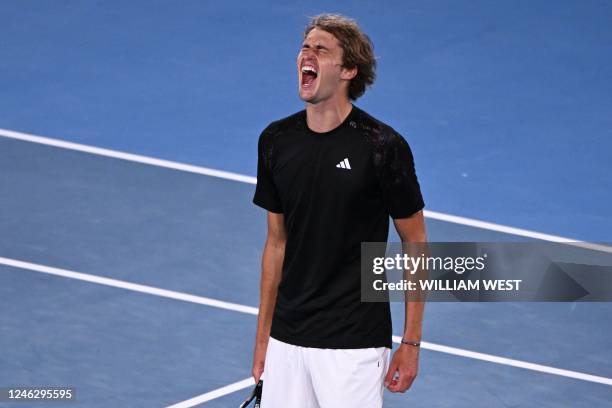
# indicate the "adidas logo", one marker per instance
pixel 344 164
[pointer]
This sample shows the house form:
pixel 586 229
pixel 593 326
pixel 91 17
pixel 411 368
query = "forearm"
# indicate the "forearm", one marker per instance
pixel 272 262
pixel 413 321
pixel 414 238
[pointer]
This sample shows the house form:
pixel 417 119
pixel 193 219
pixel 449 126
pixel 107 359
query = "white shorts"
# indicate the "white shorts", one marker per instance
pixel 306 377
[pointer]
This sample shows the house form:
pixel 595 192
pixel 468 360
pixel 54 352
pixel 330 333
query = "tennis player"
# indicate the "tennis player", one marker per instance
pixel 329 177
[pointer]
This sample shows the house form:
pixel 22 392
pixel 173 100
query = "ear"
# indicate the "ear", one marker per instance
pixel 348 74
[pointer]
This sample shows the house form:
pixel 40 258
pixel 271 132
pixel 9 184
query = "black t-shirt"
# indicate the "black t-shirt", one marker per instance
pixel 335 189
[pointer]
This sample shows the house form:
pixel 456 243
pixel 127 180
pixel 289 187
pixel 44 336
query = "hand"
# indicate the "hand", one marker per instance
pixel 259 358
pixel 403 368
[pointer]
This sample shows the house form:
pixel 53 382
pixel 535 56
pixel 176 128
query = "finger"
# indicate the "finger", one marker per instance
pixel 390 373
pixel 405 381
pixel 393 385
pixel 398 382
pixel 411 380
pixel 257 374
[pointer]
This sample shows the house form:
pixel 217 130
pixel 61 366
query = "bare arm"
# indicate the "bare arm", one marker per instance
pixel 412 229
pixel 271 269
pixel 405 360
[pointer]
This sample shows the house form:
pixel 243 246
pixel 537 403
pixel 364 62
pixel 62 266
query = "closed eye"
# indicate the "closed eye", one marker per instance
pixel 318 47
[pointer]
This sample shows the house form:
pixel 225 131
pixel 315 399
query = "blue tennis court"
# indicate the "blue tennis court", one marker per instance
pixel 130 252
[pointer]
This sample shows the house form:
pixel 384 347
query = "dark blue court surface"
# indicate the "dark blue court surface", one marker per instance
pixel 506 105
pixel 200 235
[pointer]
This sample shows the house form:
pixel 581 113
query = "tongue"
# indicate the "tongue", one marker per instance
pixel 308 79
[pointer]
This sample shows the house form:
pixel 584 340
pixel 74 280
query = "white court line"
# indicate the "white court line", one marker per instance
pixel 511 362
pixel 515 231
pixel 127 156
pixel 135 287
pixel 252 180
pixel 253 311
pixel 219 392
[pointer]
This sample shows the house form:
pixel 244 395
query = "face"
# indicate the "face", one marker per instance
pixel 320 72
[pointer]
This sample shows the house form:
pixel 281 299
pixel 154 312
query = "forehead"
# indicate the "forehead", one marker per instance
pixel 316 35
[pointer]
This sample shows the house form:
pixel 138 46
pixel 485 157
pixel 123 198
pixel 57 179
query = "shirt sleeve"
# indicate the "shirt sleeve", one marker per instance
pixel 266 194
pixel 400 186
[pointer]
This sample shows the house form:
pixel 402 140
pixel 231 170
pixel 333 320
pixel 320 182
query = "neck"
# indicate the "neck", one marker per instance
pixel 327 115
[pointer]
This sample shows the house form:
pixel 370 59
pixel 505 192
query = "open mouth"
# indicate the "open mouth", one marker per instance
pixel 309 75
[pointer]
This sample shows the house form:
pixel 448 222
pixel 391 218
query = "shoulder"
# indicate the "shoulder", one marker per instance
pixel 268 144
pixel 378 133
pixel 283 125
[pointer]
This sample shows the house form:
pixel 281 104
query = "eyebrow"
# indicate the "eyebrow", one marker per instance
pixel 306 45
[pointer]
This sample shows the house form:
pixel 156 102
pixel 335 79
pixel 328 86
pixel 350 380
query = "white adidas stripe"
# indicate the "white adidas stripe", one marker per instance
pixel 344 164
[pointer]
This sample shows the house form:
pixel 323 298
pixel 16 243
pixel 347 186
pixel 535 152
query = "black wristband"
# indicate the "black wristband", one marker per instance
pixel 412 343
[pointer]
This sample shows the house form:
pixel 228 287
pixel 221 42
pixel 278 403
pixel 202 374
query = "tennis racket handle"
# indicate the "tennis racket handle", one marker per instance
pixel 255 395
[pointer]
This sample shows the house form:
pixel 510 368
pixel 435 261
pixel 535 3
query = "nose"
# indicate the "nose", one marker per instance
pixel 308 53
pixel 304 54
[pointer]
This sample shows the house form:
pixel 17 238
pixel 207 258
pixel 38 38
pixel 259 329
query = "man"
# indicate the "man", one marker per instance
pixel 330 176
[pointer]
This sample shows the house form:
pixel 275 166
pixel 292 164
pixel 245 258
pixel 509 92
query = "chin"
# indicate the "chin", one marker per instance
pixel 310 95
pixel 307 97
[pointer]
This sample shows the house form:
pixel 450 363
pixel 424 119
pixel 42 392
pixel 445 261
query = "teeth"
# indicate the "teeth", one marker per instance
pixel 307 68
